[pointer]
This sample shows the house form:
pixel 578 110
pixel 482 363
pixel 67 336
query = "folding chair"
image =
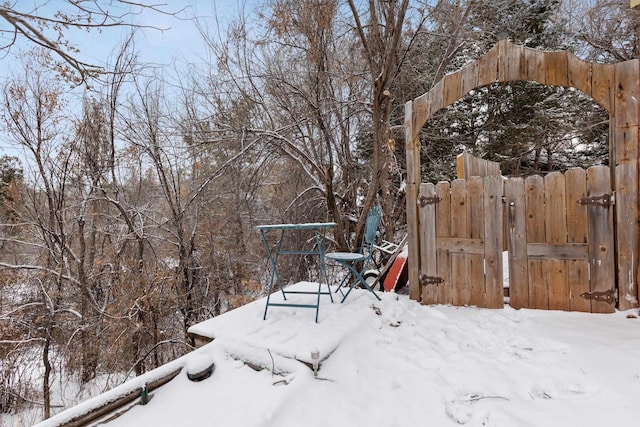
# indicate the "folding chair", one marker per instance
pixel 350 260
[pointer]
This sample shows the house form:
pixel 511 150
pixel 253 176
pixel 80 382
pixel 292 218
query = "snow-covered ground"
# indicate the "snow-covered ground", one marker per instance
pixel 397 363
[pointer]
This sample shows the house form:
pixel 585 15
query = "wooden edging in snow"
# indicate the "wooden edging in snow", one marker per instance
pixel 110 406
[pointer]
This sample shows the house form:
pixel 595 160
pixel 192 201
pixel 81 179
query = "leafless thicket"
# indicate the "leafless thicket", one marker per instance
pixel 132 213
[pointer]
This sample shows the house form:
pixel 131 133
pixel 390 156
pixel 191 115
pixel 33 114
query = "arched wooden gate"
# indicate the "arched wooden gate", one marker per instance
pixel 614 86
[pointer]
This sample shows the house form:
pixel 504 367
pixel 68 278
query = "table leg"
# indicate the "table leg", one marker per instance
pixel 273 257
pixel 321 243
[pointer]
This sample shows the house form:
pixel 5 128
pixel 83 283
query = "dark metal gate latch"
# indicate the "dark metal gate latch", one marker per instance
pixel 604 201
pixel 604 296
pixel 430 280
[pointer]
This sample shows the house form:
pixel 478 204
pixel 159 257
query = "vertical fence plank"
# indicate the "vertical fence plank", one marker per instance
pixel 626 137
pixel 538 289
pixel 459 279
pixel 494 169
pixel 413 181
pixel 578 269
pixel 627 115
pixel 443 219
pixel 436 96
pixel 517 243
pixel 483 168
pixel 533 66
pixel 452 88
pixel 488 67
pixel 557 68
pixel 493 208
pixel 510 66
pixel 601 246
pixel 428 243
pixel 416 113
pixel 626 100
pixel 468 166
pixel 625 151
pixel 556 233
pixel 461 162
pixel 476 218
pixel 627 239
pixel 602 82
pixel 579 74
pixel 469 79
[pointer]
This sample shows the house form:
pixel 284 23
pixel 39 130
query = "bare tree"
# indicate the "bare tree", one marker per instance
pixel 33 108
pixel 186 157
pixel 321 97
pixel 83 240
pixel 42 24
pixel 379 27
pixel 604 30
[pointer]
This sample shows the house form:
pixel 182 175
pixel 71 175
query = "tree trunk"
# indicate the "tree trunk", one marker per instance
pixel 46 391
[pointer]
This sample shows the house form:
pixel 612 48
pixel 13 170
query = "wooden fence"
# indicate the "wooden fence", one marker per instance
pixel 461 242
pixel 559 235
pixel 468 166
pixel 616 87
pixel 561 248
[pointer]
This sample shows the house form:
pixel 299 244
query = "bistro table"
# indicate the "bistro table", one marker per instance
pixel 319 231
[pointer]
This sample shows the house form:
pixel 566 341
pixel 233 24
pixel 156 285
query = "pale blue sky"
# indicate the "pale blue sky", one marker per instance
pixel 181 41
pixel 179 37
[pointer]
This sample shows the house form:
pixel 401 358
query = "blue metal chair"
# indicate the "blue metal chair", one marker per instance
pixel 350 260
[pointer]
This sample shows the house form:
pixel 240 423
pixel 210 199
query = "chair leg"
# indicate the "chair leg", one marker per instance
pixel 367 286
pixel 358 279
pixel 342 283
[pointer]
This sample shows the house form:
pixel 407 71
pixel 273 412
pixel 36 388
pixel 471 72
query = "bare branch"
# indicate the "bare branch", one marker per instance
pixel 86 15
pixel 39 268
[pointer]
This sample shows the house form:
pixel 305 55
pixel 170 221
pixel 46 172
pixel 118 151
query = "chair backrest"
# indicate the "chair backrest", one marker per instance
pixel 371 228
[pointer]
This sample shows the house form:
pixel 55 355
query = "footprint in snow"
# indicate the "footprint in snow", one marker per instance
pixel 462 408
pixel 559 390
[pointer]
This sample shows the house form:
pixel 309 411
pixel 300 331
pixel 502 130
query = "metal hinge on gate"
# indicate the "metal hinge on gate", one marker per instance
pixel 424 201
pixel 430 280
pixel 605 296
pixel 604 201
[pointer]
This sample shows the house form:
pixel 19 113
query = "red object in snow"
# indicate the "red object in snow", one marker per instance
pixel 397 276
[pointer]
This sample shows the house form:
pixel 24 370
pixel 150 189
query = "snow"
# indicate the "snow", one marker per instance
pixel 398 363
